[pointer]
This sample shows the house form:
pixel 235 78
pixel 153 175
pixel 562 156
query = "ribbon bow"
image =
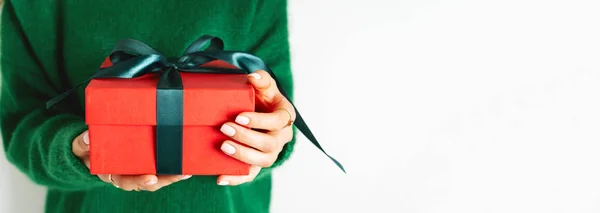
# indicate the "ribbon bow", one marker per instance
pixel 132 58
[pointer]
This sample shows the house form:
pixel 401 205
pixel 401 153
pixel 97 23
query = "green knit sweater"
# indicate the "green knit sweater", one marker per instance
pixel 49 46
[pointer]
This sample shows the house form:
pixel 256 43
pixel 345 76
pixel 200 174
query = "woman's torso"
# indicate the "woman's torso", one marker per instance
pixel 73 37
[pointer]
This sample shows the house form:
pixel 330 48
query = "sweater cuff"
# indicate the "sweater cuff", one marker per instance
pixel 68 165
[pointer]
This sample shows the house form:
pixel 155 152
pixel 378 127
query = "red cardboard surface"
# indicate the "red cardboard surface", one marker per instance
pixel 121 115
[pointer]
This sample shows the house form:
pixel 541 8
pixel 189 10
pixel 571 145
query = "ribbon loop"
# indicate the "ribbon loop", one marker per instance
pixel 132 58
pixel 196 46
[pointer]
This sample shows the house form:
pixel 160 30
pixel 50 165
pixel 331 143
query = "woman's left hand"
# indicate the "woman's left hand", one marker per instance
pixel 271 130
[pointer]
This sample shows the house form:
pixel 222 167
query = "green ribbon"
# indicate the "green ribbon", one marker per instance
pixel 132 58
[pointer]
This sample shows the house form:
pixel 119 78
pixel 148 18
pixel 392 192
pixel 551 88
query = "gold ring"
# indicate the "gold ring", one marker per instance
pixel 291 121
pixel 113 181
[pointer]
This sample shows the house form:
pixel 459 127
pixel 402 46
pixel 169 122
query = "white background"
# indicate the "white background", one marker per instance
pixel 436 106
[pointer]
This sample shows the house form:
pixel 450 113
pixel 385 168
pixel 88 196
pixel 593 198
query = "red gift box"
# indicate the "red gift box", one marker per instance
pixel 121 116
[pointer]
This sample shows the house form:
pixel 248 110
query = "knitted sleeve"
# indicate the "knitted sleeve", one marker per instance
pixel 37 141
pixel 269 40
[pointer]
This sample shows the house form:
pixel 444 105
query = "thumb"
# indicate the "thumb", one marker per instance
pixel 265 86
pixel 81 145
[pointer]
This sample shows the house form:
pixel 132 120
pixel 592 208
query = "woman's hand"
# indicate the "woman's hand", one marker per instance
pixel 271 130
pixel 81 149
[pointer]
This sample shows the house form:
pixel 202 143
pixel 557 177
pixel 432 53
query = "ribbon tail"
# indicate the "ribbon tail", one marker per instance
pixel 50 103
pixel 131 68
pixel 303 127
pixel 301 124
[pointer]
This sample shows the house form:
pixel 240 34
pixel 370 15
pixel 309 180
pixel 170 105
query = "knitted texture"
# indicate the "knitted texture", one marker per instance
pixel 48 47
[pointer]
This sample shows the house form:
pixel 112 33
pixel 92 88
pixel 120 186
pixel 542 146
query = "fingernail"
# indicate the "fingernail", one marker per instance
pixel 255 76
pixel 185 177
pixel 227 130
pixel 223 183
pixel 228 148
pixel 151 182
pixel 243 120
pixel 86 138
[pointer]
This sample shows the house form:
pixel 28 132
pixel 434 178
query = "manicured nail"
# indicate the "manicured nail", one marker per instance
pixel 228 148
pixel 255 76
pixel 86 138
pixel 151 182
pixel 227 130
pixel 223 183
pixel 243 120
pixel 185 177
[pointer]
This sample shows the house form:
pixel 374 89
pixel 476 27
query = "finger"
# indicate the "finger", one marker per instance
pixel 266 121
pixel 248 155
pixel 163 181
pixel 283 136
pixel 233 180
pixel 129 182
pixel 104 177
pixel 258 140
pixel 142 182
pixel 264 85
pixel 86 161
pixel 133 182
pixel 80 146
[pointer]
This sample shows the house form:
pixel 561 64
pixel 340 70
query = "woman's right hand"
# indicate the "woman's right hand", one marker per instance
pixel 81 149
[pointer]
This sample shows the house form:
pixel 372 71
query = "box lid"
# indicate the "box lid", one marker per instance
pixel 209 99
